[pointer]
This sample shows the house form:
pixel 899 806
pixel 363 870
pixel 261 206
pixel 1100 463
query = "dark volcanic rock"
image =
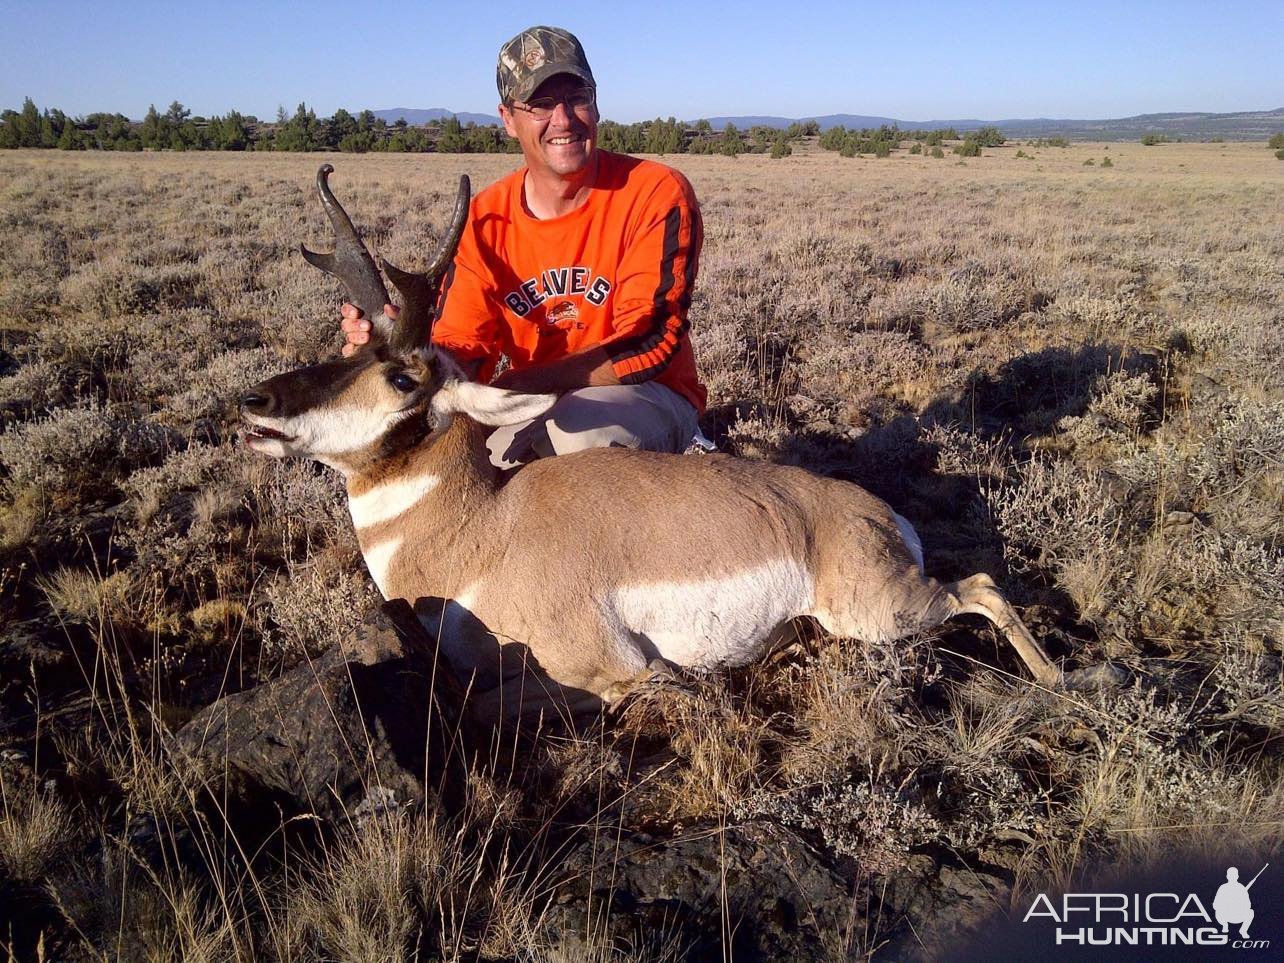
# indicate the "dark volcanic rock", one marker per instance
pixel 757 884
pixel 371 727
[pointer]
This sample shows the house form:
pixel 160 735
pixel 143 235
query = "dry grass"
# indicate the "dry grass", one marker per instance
pixel 1065 375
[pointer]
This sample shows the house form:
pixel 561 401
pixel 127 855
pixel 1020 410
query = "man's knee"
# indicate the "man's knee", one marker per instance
pixel 599 436
pixel 649 417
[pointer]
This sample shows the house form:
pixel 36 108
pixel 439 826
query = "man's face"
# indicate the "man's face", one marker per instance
pixel 561 143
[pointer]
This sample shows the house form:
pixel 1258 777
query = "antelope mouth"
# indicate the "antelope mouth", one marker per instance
pixel 252 433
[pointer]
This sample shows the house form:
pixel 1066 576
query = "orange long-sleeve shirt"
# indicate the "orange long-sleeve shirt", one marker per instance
pixel 616 272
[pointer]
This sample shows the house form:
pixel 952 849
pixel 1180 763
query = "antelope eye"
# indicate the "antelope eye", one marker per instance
pixel 403 382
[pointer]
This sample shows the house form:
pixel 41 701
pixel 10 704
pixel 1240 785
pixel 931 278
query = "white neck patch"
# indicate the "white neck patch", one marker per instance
pixel 379 561
pixel 389 499
pixel 343 429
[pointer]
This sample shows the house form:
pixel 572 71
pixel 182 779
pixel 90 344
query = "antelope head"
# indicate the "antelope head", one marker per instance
pixel 392 392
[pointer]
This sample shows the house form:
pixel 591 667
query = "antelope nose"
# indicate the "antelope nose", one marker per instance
pixel 256 402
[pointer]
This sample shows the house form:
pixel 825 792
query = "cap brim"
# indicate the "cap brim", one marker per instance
pixel 524 90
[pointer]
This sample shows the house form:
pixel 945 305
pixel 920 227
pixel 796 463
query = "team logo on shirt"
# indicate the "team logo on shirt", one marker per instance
pixel 564 315
pixel 577 282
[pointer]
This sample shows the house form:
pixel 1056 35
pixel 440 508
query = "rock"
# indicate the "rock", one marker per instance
pixel 781 901
pixel 1179 522
pixel 31 644
pixel 946 904
pixel 369 729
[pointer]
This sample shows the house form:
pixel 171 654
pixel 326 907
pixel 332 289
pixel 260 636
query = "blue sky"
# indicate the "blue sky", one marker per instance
pixel 906 59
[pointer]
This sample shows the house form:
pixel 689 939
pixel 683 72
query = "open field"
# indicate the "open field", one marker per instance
pixel 1066 375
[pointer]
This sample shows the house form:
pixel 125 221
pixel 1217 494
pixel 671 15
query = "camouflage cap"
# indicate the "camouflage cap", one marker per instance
pixel 536 54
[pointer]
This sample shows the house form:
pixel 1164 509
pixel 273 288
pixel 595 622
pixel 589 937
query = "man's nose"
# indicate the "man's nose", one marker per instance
pixel 561 115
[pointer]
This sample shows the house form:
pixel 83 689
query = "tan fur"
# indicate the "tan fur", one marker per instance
pixel 547 548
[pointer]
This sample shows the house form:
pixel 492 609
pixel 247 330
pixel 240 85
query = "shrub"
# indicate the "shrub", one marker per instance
pixel 1089 163
pixel 1058 142
pixel 1107 162
pixel 1122 405
pixel 41 386
pixel 989 137
pixel 117 286
pixel 916 148
pixel 317 605
pixel 969 148
pixel 76 449
pixel 1276 142
pixel 875 825
pixel 780 149
pixel 1280 154
pixel 35 833
pixel 1150 140
pixel 937 152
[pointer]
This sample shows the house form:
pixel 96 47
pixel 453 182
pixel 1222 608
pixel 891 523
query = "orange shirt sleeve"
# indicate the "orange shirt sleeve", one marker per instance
pixel 656 279
pixel 468 321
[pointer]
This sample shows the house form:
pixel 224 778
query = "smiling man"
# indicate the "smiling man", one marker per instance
pixel 578 268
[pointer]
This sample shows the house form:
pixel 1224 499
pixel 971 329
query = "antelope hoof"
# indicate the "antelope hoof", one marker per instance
pixel 1103 675
pixel 659 677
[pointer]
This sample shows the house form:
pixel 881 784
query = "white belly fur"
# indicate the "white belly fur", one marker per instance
pixel 718 621
pixel 456 629
pixel 912 541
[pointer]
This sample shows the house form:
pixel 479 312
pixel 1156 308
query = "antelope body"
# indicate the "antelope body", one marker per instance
pixel 561 586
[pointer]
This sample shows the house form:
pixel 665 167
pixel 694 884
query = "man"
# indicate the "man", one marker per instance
pixel 1232 904
pixel 579 268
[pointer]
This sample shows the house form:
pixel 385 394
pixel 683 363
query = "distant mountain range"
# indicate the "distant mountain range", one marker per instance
pixel 1242 125
pixel 1193 125
pixel 415 116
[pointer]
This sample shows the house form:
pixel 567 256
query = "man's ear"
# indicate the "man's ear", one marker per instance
pixel 490 406
pixel 506 115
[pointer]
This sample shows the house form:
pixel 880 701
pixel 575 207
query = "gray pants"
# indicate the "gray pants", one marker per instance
pixel 647 416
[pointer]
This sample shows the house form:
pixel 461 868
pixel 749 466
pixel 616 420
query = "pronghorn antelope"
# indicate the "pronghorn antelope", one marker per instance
pixel 560 586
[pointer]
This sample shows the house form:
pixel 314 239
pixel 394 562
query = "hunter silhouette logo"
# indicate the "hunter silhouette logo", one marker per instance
pixel 1232 903
pixel 1152 919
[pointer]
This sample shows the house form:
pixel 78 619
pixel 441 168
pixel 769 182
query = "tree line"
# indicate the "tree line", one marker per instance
pixel 177 129
pixel 881 141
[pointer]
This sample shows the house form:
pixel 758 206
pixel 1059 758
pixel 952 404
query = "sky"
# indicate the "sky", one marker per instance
pixel 908 60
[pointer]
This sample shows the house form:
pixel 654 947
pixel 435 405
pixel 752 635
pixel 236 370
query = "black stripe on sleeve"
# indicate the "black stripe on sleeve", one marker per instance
pixel 646 340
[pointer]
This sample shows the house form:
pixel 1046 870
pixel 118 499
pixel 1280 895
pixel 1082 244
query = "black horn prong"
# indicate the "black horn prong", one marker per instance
pixel 420 292
pixel 322 259
pixel 350 262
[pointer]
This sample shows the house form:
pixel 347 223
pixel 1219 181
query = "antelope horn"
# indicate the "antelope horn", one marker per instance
pixel 446 249
pixel 350 262
pixel 420 292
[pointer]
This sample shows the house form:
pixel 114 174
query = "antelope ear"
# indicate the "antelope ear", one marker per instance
pixel 490 406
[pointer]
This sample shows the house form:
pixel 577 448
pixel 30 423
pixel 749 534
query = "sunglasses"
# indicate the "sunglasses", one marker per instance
pixel 541 108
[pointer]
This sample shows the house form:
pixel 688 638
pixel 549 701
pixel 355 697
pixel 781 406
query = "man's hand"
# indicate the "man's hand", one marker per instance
pixel 356 328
